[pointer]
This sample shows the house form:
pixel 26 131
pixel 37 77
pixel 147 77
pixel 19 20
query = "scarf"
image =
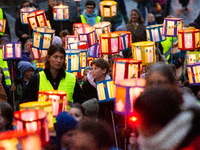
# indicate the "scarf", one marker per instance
pixel 171 135
pixel 91 19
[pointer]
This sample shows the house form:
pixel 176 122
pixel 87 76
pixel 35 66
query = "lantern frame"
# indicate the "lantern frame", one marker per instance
pixel 194 73
pixel 15 54
pixel 78 25
pixel 70 39
pixel 193 57
pixel 155 33
pixel 24 14
pixel 72 60
pixel 38 54
pixel 108 8
pixel 125 40
pixel 101 28
pixel 60 13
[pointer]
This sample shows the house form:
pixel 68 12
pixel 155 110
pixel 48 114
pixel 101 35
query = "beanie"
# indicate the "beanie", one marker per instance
pixel 64 123
pixel 23 65
pixel 5 39
pixel 91 107
pixel 57 40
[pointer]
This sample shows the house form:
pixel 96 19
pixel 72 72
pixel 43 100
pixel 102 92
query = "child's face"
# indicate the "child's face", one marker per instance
pixel 76 113
pixel 3 123
pixel 97 73
pixel 28 46
pixel 151 18
pixel 85 75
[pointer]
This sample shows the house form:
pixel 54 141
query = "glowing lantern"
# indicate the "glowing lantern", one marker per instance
pixel 125 40
pixel 37 19
pixel 194 73
pixel 109 43
pixel 105 90
pixel 125 68
pixel 193 57
pixel 43 38
pixel 78 25
pixel 155 33
pixel 10 140
pixel 38 54
pixel 144 51
pixel 102 27
pixel 89 60
pixel 40 65
pixel 72 61
pixel 60 13
pixel 33 121
pixel 48 24
pixel 108 8
pixel 172 26
pixel 83 58
pixel 57 98
pixel 127 92
pixel 12 51
pixel 78 45
pixel 46 106
pixel 24 13
pixel 188 39
pixel 2 25
pixel 87 34
pixel 70 39
pixel 94 51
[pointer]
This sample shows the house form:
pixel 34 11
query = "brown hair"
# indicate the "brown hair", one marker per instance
pixel 140 19
pixel 102 63
pixel 7 112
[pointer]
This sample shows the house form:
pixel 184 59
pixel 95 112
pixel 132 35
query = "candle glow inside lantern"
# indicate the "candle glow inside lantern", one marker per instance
pixel 109 43
pixel 2 25
pixel 189 39
pixel 38 54
pixel 45 106
pixel 43 38
pixel 155 33
pixel 78 25
pixel 70 39
pixel 24 14
pixel 87 34
pixel 60 13
pixel 12 51
pixel 144 51
pixel 193 57
pixel 72 61
pixel 40 65
pixel 105 90
pixel 33 121
pixel 125 68
pixel 102 27
pixel 10 140
pixel 125 40
pixel 194 73
pixel 108 8
pixel 37 19
pixel 172 26
pixel 58 99
pixel 127 92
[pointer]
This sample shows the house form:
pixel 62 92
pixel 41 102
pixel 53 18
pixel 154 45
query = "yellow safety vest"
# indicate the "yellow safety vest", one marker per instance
pixel 83 20
pixel 1 17
pixel 67 84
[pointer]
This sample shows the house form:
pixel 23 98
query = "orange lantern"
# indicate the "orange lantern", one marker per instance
pixel 102 27
pixel 2 25
pixel 40 65
pixel 108 8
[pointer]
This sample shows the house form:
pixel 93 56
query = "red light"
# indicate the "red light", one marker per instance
pixel 133 119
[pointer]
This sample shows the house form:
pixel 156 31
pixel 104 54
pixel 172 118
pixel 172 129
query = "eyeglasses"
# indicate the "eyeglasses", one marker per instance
pixel 31 70
pixel 90 7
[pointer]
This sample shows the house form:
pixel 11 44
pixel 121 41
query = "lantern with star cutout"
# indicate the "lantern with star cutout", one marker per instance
pixel 155 33
pixel 24 13
pixel 2 25
pixel 102 27
pixel 194 73
pixel 193 57
pixel 72 61
pixel 60 13
pixel 125 40
pixel 12 51
pixel 108 8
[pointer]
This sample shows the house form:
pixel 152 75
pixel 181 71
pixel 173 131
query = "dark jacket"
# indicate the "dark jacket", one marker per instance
pixel 89 90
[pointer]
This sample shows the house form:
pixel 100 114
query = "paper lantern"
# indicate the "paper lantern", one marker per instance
pixel 78 25
pixel 72 61
pixel 78 45
pixel 70 39
pixel 108 8
pixel 144 51
pixel 125 40
pixel 125 68
pixel 102 27
pixel 14 140
pixel 43 38
pixel 94 51
pixel 87 34
pixel 89 60
pixel 45 106
pixel 155 33
pixel 60 13
pixel 194 73
pixel 33 121
pixel 24 13
pixel 38 54
pixel 172 26
pixel 127 92
pixel 40 65
pixel 48 24
pixel 193 57
pixel 105 90
pixel 12 51
pixel 83 58
pixel 2 25
pixel 188 39
pixel 57 98
pixel 37 19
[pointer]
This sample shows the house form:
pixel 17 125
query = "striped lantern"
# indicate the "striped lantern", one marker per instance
pixel 87 34
pixel 102 27
pixel 33 121
pixel 70 39
pixel 109 43
pixel 78 25
pixel 144 51
pixel 60 13
pixel 188 39
pixel 24 13
pixel 43 38
pixel 172 26
pixel 78 45
pixel 37 19
pixel 2 25
pixel 72 61
pixel 38 54
pixel 12 51
pixel 155 33
pixel 105 90
pixel 125 40
pixel 193 57
pixel 45 106
pixel 94 51
pixel 83 58
pixel 125 68
pixel 108 8
pixel 194 73
pixel 127 92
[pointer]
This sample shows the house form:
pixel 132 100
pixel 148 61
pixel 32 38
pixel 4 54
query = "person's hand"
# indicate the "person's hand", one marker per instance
pixel 13 88
pixel 25 36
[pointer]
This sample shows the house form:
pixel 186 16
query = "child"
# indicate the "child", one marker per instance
pixel 151 19
pixel 27 54
pixel 87 69
pixel 77 111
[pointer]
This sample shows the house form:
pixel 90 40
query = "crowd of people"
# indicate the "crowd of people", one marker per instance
pixel 167 111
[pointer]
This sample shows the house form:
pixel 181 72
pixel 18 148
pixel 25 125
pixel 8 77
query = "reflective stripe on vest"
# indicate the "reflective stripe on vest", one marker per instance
pixel 67 84
pixel 1 17
pixel 83 20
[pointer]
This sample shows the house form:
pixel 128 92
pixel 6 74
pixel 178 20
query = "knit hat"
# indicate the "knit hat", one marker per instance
pixel 64 123
pixel 57 40
pixel 5 38
pixel 23 65
pixel 91 107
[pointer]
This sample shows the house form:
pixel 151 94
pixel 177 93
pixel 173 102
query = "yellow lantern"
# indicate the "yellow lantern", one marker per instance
pixel 194 73
pixel 108 8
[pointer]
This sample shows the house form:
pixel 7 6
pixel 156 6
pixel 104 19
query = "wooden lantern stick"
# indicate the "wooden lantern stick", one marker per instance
pixel 125 127
pixel 12 77
pixel 172 52
pixel 113 123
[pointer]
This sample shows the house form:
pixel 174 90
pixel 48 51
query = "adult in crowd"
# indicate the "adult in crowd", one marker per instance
pixel 54 77
pixel 7 29
pixel 89 15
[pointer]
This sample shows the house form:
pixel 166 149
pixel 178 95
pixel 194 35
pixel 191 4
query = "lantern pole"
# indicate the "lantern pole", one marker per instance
pixel 172 52
pixel 113 123
pixel 12 76
pixel 125 127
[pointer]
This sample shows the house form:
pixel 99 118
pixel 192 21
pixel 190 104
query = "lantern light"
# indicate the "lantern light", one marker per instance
pixel 40 65
pixel 78 25
pixel 12 51
pixel 125 40
pixel 144 51
pixel 83 58
pixel 24 13
pixel 38 54
pixel 194 73
pixel 78 45
pixel 155 33
pixel 127 92
pixel 72 61
pixel 102 27
pixel 70 39
pixel 2 25
pixel 60 13
pixel 193 57
pixel 108 8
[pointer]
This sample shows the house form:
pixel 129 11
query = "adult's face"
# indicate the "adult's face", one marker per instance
pixel 26 4
pixel 56 60
pixel 89 9
pixel 53 3
pixel 134 16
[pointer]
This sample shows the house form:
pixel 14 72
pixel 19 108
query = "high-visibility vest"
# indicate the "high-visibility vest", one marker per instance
pixel 1 17
pixel 83 20
pixel 4 66
pixel 67 84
